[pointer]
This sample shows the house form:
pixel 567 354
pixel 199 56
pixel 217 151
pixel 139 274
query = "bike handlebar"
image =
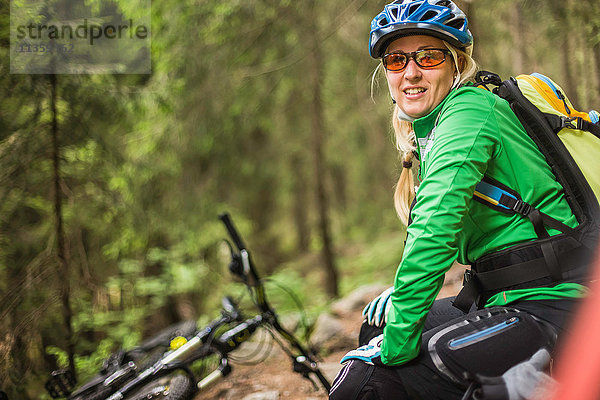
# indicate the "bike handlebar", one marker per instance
pixel 303 363
pixel 233 233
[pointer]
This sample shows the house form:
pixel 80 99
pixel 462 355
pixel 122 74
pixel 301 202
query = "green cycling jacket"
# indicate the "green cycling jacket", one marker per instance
pixel 472 133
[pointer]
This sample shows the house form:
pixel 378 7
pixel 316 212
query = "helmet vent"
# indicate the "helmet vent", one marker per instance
pixel 394 12
pixel 383 22
pixel 457 23
pixel 413 8
pixel 428 15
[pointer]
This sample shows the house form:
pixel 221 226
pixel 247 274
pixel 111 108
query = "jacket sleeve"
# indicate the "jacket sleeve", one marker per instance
pixel 466 138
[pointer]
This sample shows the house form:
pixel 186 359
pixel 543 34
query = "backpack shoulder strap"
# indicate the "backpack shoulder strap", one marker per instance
pixel 502 198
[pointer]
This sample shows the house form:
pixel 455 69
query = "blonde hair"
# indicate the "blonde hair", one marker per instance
pixel 405 136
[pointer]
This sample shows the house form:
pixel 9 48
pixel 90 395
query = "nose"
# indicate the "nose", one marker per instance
pixel 412 70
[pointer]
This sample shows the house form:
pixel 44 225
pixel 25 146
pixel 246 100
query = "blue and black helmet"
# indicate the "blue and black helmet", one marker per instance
pixel 439 18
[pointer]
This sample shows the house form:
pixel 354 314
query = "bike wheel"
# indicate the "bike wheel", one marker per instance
pixel 175 386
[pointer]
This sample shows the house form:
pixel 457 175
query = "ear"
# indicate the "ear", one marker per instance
pixel 389 88
pixel 462 63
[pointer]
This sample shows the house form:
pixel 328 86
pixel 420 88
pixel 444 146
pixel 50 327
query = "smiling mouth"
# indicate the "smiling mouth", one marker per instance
pixel 413 91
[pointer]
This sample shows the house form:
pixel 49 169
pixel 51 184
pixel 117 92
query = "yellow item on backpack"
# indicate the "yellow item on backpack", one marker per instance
pixel 583 145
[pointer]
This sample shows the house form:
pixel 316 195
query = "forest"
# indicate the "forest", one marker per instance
pixel 271 110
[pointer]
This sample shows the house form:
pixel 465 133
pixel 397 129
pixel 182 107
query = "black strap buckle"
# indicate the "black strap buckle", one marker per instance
pixel 521 207
pixel 567 122
pixel 468 276
pixel 484 78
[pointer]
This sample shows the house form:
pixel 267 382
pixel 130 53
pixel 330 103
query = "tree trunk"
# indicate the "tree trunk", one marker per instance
pixel 562 8
pixel 518 37
pixel 585 16
pixel 315 60
pixel 61 252
pixel 595 100
pixel 469 9
pixel 300 201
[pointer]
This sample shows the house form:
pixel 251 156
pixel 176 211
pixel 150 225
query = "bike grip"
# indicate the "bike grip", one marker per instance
pixel 233 233
pixel 223 370
pixel 210 379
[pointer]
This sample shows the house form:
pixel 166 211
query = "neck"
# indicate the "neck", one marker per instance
pixel 402 116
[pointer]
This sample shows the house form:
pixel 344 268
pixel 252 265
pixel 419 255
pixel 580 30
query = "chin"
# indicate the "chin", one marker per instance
pixel 415 114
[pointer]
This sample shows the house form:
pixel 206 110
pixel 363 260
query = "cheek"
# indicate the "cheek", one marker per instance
pixel 393 81
pixel 445 83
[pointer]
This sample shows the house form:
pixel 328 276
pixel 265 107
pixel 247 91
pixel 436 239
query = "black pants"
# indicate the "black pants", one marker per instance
pixel 421 378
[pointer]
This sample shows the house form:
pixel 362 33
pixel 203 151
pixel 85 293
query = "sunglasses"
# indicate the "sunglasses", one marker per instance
pixel 426 58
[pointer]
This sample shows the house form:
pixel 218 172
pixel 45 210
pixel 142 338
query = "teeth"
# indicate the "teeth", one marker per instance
pixel 414 90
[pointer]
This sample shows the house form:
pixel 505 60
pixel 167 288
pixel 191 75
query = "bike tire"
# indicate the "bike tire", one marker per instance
pixel 175 386
pixel 101 392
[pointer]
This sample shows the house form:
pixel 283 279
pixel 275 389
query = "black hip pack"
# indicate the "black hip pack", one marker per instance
pixel 487 343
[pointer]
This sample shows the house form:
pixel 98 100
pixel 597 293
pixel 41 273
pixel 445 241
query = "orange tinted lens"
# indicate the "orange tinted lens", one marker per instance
pixel 394 62
pixel 430 58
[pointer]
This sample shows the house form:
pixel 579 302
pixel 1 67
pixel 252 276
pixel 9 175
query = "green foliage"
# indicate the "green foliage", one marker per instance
pixel 62 359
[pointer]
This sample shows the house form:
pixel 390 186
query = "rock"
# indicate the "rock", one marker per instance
pixel 357 299
pixel 327 327
pixel 330 369
pixel 232 394
pixel 268 395
pixel 329 334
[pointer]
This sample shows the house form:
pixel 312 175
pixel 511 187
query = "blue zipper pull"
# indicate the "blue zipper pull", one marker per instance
pixel 564 100
pixel 554 89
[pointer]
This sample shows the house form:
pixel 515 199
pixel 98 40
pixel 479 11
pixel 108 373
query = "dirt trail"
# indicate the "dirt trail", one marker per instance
pixel 274 379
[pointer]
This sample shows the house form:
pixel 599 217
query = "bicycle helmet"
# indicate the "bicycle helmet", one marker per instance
pixel 440 18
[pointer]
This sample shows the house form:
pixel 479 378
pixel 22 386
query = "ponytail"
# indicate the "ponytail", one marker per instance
pixel 405 188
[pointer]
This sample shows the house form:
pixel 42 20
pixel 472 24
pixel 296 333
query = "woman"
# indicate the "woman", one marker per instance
pixel 460 135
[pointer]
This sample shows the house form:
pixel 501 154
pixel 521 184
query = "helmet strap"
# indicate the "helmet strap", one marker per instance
pixel 457 74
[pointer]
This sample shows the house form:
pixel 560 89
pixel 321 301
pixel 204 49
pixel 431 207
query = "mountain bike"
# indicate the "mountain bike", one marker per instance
pixel 160 367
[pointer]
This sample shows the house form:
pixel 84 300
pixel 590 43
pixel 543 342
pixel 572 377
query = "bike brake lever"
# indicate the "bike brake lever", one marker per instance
pixel 235 265
pixel 229 306
pixel 231 316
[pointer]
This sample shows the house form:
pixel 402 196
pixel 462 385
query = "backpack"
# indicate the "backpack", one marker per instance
pixel 579 131
pixel 570 142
